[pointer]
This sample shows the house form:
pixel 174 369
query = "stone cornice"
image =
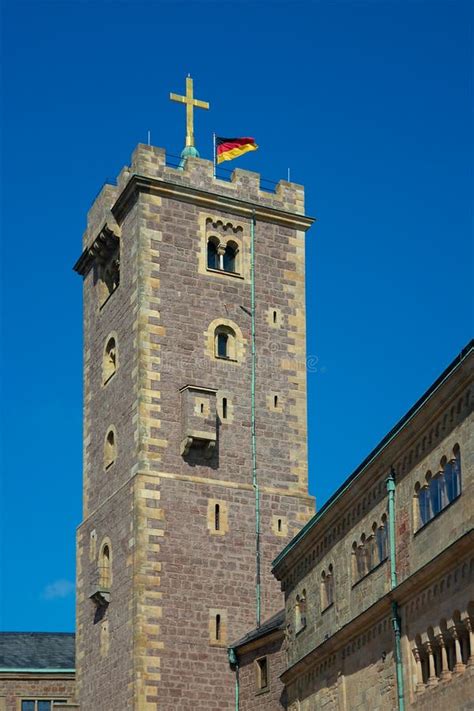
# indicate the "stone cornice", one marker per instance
pixel 104 244
pixel 410 587
pixel 214 202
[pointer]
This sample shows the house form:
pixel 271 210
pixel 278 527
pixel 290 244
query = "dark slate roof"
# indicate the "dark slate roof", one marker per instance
pixel 37 650
pixel 277 622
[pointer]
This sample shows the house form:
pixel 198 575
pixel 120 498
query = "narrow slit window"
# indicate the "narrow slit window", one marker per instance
pixel 262 673
pixel 275 401
pixel 104 567
pixel 224 408
pixel 217 517
pixel 279 525
pixel 109 365
pixel 110 449
pixel 218 627
pixel 274 317
pixel 202 408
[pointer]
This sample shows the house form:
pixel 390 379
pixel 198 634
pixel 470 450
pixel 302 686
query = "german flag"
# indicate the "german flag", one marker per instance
pixel 229 148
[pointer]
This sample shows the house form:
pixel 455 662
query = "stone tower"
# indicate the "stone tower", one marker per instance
pixel 166 552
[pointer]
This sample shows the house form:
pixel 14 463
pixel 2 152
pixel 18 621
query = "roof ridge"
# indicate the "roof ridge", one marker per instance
pixel 36 633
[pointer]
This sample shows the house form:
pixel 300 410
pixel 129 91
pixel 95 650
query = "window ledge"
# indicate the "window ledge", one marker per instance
pixel 372 570
pixel 222 272
pixel 265 690
pixel 301 629
pixel 328 607
pixel 422 528
pixel 231 360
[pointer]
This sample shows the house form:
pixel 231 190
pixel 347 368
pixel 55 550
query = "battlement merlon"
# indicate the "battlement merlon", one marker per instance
pixel 195 183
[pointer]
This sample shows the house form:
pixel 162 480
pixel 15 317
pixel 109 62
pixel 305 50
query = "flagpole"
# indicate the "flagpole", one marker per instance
pixel 214 144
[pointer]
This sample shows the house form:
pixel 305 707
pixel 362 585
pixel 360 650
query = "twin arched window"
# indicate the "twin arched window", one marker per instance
pixel 222 256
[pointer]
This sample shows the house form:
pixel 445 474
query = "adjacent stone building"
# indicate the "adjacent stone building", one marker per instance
pixel 336 648
pixel 37 671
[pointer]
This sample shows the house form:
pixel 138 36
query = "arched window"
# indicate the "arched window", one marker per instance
pixel 456 467
pixel 212 255
pixel 449 479
pixel 222 345
pixel 300 612
pixel 434 487
pixel 110 448
pixel 361 558
pixel 355 567
pixel 372 552
pixel 324 597
pixel 225 343
pixel 327 588
pixel 382 539
pixel 424 505
pixel 330 585
pixel 230 257
pixel 109 364
pixel 105 577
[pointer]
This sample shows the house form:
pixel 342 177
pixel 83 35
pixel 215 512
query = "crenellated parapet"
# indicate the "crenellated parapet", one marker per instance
pixel 195 182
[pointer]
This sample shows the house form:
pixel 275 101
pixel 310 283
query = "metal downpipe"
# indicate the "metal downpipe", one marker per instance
pixel 393 585
pixel 253 422
pixel 234 663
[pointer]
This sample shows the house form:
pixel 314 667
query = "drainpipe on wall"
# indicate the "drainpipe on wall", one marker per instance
pixel 234 663
pixel 393 585
pixel 253 421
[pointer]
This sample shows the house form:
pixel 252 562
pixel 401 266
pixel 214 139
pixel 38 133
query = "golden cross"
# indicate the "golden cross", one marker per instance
pixel 190 102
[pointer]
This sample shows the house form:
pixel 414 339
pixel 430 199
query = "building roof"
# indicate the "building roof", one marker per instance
pixel 277 622
pixel 452 367
pixel 37 651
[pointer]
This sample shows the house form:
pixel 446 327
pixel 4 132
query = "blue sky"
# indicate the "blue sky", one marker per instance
pixel 368 103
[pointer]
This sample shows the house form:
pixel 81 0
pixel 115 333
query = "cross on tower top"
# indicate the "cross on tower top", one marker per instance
pixel 190 103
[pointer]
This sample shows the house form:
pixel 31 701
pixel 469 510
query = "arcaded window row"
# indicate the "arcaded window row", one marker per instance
pixel 438 489
pixel 444 650
pixel 370 551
